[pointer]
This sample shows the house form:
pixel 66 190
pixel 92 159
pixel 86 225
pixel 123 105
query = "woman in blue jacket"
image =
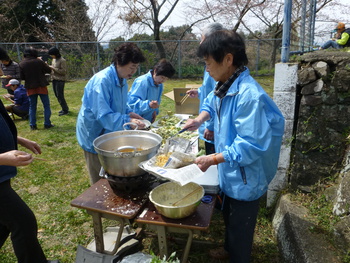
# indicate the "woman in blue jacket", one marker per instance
pixel 146 91
pixel 205 131
pixel 248 130
pixel 104 106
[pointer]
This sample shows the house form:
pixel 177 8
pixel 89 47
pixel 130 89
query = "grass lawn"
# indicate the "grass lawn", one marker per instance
pixel 49 186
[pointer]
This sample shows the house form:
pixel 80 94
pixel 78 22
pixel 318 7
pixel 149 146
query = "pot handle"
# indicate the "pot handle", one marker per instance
pixel 125 151
pixel 131 124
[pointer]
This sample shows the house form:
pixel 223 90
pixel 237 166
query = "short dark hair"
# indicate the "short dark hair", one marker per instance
pixel 54 51
pixel 4 55
pixel 30 52
pixel 164 68
pixel 223 42
pixel 126 53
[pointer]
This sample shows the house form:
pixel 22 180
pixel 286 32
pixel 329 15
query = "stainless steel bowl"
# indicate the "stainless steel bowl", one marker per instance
pixel 187 197
pixel 121 152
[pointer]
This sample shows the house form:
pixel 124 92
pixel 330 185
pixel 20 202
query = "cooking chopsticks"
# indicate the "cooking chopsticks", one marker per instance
pixel 36 158
pixel 187 196
pixel 40 159
pixel 182 101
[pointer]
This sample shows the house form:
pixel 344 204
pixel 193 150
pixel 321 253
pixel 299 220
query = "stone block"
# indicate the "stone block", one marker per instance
pixel 286 103
pixel 285 77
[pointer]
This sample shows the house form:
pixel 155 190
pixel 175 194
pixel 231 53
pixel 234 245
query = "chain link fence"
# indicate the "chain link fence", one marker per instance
pixel 86 58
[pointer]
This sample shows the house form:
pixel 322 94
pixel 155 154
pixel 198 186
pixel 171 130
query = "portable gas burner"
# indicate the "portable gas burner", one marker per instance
pixel 129 183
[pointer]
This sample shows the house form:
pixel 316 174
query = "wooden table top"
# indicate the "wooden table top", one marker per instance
pixel 199 220
pixel 101 198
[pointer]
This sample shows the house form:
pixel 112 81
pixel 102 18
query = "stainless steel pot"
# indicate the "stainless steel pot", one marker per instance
pixel 121 152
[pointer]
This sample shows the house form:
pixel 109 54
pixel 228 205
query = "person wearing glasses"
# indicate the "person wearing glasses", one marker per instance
pixel 248 130
pixel 104 106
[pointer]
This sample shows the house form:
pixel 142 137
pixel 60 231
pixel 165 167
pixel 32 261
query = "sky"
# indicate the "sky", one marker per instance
pixel 322 28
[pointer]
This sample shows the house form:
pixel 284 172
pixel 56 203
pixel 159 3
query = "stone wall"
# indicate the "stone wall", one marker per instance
pixel 317 115
pixel 322 115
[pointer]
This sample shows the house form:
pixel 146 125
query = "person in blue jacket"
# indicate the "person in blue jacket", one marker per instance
pixel 248 130
pixel 146 91
pixel 104 106
pixel 19 99
pixel 205 131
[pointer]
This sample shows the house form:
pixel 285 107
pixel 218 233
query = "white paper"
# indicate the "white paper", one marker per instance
pixel 182 175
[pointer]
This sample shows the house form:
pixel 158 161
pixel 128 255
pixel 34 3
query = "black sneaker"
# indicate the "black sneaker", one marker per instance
pixel 62 113
pixel 33 127
pixel 49 126
pixel 25 117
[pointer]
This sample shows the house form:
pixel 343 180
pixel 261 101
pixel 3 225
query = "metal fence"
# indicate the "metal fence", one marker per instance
pixel 86 58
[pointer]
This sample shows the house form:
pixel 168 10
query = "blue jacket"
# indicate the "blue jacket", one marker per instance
pixel 143 91
pixel 21 98
pixel 104 107
pixel 248 130
pixel 208 86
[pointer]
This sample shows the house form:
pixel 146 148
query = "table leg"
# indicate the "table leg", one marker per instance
pixel 162 242
pixel 188 246
pixel 98 232
pixel 119 237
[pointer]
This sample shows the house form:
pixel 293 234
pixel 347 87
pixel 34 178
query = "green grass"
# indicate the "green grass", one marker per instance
pixel 49 186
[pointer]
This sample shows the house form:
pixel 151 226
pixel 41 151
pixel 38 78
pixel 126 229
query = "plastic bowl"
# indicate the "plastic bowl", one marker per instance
pixel 186 197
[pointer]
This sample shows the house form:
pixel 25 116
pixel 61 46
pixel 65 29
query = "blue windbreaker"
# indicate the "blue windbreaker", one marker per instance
pixel 208 86
pixel 248 130
pixel 143 91
pixel 104 107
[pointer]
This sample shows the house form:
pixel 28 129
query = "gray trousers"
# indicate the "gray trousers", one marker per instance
pixel 93 166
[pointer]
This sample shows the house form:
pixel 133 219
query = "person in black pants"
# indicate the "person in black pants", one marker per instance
pixel 16 218
pixel 58 76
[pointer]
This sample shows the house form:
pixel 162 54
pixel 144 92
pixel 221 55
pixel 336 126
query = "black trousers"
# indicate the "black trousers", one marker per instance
pixel 15 110
pixel 58 88
pixel 240 220
pixel 209 148
pixel 17 219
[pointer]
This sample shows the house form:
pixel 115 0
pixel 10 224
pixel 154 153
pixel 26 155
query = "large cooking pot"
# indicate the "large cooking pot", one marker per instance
pixel 121 152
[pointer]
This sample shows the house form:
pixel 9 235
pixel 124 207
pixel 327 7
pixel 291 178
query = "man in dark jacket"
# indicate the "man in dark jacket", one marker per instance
pixel 10 70
pixel 33 71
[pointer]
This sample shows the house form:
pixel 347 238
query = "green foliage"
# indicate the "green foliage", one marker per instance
pixel 172 259
pixel 42 20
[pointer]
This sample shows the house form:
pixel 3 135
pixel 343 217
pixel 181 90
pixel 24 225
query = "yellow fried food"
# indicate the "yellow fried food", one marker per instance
pixel 161 159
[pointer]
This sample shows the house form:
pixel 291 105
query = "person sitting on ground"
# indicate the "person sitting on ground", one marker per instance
pixel 342 39
pixel 146 91
pixel 10 70
pixel 19 99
